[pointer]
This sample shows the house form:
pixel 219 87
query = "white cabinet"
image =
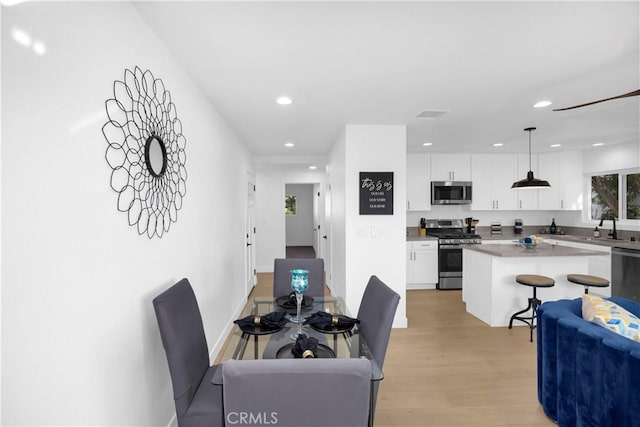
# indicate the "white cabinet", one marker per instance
pixel 563 170
pixel 572 181
pixel 418 182
pixel 422 262
pixel 527 199
pixel 450 167
pixel 492 176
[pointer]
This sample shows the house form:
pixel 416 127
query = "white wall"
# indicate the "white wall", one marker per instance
pixel 271 227
pixel 299 227
pixel 80 339
pixel 381 251
pixel 611 157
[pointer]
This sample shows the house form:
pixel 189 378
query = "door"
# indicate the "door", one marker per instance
pixel 250 231
pixel 325 234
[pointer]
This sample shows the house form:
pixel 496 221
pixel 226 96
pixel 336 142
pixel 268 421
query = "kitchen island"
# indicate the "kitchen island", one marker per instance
pixel 489 288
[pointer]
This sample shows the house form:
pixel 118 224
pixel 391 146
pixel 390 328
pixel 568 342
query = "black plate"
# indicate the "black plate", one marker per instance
pixel 257 330
pixel 334 329
pixel 307 302
pixel 323 352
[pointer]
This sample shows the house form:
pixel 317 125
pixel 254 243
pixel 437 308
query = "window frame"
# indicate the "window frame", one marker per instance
pixel 622 196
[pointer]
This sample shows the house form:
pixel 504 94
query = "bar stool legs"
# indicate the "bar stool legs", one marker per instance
pixel 535 282
pixel 529 320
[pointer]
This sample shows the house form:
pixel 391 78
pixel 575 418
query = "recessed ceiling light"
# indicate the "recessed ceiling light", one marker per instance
pixel 498 144
pixel 21 37
pixel 313 168
pixel 427 144
pixel 555 145
pixel 289 144
pixel 284 100
pixel 39 47
pixel 598 144
pixel 541 104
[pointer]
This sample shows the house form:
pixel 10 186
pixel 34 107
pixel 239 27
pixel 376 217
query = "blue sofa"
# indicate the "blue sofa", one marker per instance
pixel 587 375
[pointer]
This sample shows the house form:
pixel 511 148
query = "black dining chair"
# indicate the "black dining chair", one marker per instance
pixel 198 401
pixel 282 275
pixel 376 313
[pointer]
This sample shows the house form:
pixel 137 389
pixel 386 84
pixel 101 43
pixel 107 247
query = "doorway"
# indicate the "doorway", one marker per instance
pixel 300 221
pixel 250 231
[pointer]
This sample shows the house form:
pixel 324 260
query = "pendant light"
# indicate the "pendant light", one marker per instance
pixel 530 181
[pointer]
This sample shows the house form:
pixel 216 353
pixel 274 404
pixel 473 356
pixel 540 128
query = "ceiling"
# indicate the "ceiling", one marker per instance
pixel 482 63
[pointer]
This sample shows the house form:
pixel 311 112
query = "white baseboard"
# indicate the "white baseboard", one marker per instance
pixel 400 323
pixel 217 347
pixel 417 286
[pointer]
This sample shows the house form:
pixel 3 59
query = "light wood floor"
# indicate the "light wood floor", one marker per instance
pixel 450 369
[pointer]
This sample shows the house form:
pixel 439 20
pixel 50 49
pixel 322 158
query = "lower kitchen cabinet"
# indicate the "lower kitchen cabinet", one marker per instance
pixel 422 262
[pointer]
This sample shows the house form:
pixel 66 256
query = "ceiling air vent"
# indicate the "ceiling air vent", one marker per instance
pixel 431 114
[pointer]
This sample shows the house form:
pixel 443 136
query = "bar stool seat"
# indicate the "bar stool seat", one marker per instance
pixel 535 281
pixel 587 280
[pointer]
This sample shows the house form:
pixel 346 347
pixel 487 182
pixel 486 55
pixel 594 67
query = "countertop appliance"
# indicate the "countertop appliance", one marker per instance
pixel 625 270
pixel 451 236
pixel 450 192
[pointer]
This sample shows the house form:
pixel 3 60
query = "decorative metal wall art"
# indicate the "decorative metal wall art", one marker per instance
pixel 146 152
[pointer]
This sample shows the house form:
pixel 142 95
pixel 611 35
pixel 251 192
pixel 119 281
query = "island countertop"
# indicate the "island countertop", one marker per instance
pixel 542 250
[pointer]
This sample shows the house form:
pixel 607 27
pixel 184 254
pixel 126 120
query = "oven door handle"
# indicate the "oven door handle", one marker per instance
pixel 626 252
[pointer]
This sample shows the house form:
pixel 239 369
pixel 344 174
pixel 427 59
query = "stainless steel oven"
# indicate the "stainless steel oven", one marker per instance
pixel 451 240
pixel 449 266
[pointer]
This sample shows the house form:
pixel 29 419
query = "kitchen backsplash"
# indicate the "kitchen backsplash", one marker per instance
pixel 507 218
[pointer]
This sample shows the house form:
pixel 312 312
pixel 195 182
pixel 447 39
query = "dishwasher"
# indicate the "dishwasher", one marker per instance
pixel 625 273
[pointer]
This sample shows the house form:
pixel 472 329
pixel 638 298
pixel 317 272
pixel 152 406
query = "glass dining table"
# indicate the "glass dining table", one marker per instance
pixel 254 343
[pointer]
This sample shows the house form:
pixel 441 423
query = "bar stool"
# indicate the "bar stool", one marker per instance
pixel 587 280
pixel 535 282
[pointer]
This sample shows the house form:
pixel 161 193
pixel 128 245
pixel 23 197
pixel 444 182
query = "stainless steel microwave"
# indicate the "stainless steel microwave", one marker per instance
pixel 450 192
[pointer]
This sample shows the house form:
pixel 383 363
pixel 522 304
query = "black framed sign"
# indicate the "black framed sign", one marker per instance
pixel 376 193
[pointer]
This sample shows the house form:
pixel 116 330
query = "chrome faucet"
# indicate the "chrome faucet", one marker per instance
pixel 613 233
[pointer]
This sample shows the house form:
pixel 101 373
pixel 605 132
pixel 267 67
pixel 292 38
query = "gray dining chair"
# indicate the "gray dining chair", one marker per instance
pixel 297 392
pixel 377 310
pixel 198 401
pixel 282 275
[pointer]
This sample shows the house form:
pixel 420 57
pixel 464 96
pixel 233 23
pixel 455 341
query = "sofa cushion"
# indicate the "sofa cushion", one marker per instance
pixel 611 316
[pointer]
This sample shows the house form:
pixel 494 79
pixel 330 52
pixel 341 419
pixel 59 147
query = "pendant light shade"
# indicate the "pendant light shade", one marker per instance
pixel 530 181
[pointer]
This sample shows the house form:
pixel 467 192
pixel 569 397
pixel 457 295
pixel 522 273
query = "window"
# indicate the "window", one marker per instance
pixel 290 205
pixel 604 196
pixel 633 196
pixel 615 195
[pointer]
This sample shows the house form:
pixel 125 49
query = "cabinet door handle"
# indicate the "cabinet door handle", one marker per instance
pixel 408 204
pixel 561 204
pixel 497 205
pixel 520 204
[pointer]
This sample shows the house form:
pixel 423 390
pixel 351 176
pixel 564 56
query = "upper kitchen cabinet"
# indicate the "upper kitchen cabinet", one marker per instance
pixel 527 199
pixel 418 182
pixel 450 167
pixel 492 176
pixel 563 170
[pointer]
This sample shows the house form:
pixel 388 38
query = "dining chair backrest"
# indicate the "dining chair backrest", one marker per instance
pixel 185 346
pixel 282 275
pixel 297 392
pixel 377 310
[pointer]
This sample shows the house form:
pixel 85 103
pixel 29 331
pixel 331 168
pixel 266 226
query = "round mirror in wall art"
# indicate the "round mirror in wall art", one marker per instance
pixel 155 156
pixel 146 152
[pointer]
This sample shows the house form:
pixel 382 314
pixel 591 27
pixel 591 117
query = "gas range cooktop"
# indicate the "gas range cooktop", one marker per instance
pixel 451 231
